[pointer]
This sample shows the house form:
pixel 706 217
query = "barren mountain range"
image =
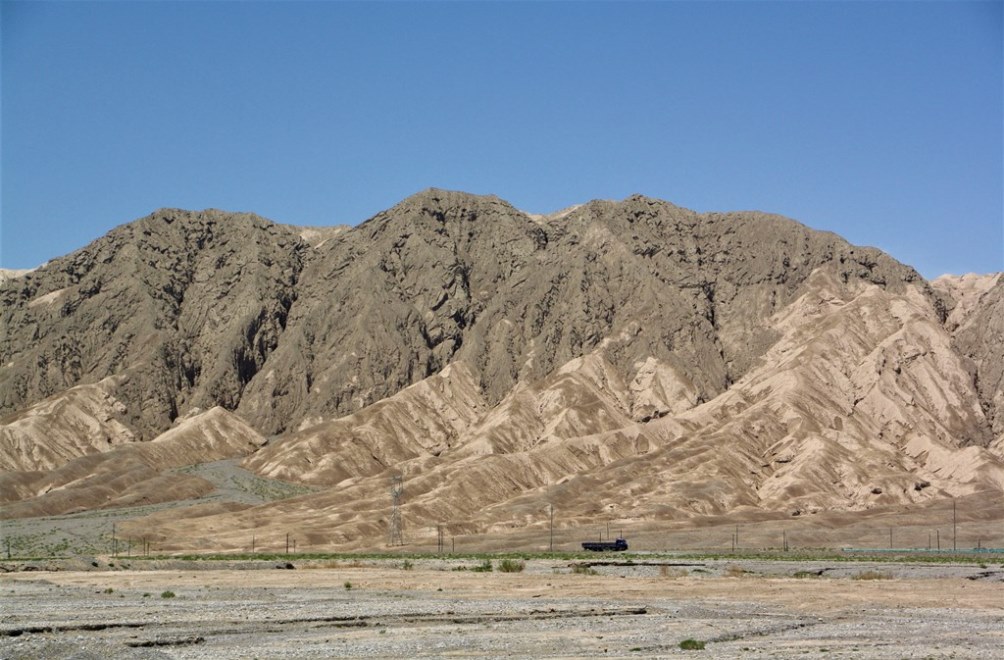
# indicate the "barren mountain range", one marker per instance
pixel 631 360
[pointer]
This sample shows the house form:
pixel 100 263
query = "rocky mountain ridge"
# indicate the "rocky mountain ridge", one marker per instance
pixel 630 356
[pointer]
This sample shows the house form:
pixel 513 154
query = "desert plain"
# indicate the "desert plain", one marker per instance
pixel 636 606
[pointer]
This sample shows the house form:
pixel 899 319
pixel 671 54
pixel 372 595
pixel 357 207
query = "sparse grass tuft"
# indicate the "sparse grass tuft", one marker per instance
pixel 667 572
pixel 348 586
pixel 484 567
pixel 407 565
pixel 511 566
pixel 167 594
pixel 582 569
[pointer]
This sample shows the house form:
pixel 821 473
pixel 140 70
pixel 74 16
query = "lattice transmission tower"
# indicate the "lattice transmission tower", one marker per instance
pixel 396 531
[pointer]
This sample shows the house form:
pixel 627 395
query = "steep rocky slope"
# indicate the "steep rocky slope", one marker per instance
pixel 183 308
pixel 629 360
pixel 202 309
pixel 861 403
pixel 976 323
pixel 446 276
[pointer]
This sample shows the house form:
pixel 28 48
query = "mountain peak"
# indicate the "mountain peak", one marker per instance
pixel 450 212
pixel 440 198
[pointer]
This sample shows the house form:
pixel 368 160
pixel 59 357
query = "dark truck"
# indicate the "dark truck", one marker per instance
pixel 605 546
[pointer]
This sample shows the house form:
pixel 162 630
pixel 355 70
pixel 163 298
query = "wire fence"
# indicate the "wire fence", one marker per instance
pixel 68 537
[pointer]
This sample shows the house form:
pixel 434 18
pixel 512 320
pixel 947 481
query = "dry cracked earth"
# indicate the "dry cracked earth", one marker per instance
pixel 554 608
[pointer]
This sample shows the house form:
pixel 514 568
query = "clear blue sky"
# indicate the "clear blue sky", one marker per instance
pixel 879 121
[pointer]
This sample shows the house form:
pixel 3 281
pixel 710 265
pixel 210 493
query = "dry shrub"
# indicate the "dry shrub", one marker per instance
pixel 735 570
pixel 511 566
pixel 872 575
pixel 668 572
pixel 583 569
pixel 329 563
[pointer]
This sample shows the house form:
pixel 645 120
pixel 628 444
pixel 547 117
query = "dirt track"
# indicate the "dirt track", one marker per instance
pixel 548 610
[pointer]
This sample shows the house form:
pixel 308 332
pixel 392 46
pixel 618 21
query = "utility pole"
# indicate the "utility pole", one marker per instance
pixel 551 506
pixel 396 534
pixel 955 546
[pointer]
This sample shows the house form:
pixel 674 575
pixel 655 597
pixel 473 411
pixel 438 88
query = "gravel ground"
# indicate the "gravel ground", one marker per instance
pixel 375 609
